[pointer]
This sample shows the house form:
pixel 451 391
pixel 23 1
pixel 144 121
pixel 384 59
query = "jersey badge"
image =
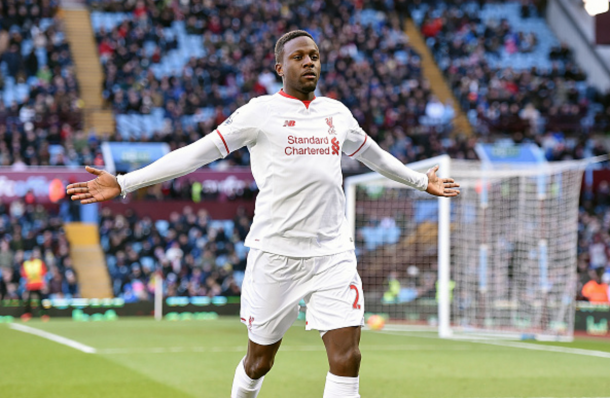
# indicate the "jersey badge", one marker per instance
pixel 331 128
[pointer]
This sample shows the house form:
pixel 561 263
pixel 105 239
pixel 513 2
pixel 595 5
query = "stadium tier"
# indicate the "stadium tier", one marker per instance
pixel 172 74
pixel 39 106
pixel 197 255
pixel 24 228
pixel 191 85
pixel 508 70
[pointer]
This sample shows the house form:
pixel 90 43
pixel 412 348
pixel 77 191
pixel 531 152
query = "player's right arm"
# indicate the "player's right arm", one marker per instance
pixel 234 133
pixel 175 164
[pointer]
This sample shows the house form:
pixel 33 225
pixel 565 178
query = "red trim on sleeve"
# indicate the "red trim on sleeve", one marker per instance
pixel 223 141
pixel 306 103
pixel 366 137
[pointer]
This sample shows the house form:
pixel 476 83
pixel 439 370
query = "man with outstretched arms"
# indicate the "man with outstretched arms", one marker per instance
pixel 300 246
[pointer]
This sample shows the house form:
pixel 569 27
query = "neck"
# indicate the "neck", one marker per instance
pixel 303 96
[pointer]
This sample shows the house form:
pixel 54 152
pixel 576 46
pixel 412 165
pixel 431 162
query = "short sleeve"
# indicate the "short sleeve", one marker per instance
pixel 240 129
pixel 357 140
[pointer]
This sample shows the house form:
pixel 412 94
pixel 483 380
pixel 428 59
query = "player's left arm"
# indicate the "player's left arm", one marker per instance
pixel 388 166
pixel 359 145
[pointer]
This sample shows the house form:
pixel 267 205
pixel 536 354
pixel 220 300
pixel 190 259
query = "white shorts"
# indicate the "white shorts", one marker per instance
pixel 274 285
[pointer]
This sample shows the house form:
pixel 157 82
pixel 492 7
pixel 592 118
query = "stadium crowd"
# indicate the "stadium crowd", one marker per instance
pixel 197 255
pixel 26 230
pixel 395 106
pixel 594 244
pixel 368 65
pixel 502 92
pixel 39 104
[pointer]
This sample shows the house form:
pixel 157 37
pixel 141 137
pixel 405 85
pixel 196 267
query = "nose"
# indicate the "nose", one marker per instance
pixel 307 61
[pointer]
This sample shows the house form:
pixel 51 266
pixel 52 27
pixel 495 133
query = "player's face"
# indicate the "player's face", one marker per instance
pixel 301 65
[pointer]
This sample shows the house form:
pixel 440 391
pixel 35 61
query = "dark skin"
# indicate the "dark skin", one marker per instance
pixel 300 70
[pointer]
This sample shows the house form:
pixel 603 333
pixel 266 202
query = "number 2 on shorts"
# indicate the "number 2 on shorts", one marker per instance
pixel 355 288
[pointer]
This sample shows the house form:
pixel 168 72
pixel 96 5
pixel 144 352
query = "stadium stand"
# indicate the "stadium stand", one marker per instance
pixel 593 236
pixel 162 76
pixel 192 84
pixel 509 71
pixel 39 110
pixel 198 256
pixel 23 227
pixel 173 71
pixel 514 78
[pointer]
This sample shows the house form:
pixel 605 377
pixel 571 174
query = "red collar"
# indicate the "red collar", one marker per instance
pixel 306 103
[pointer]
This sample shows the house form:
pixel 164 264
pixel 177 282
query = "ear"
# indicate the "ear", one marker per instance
pixel 279 69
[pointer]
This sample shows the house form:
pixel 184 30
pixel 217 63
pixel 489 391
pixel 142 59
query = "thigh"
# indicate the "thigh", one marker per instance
pixel 271 292
pixel 336 300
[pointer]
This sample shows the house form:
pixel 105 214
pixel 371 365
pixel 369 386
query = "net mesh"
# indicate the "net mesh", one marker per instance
pixel 513 249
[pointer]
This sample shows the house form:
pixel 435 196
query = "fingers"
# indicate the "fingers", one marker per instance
pixel 433 170
pixel 449 193
pixel 93 171
pixel 72 191
pixel 81 197
pixel 77 185
pixel 451 185
pixel 88 201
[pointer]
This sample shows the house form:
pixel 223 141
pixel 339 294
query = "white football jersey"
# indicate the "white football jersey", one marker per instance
pixel 295 154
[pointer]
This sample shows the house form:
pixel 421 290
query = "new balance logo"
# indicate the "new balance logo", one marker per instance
pixel 335 147
pixel 289 123
pixel 331 128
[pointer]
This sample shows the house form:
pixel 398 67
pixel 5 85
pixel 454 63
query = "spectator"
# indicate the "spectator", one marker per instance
pixel 9 283
pixel 34 271
pixel 435 110
pixel 532 116
pixel 6 255
pixel 597 252
pixel 595 290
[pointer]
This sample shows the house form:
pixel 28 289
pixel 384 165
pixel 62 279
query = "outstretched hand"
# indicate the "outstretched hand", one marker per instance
pixel 103 187
pixel 441 186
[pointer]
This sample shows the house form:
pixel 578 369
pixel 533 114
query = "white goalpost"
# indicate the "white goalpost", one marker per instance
pixel 499 260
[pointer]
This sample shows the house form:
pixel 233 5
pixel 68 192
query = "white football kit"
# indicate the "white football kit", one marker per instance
pixel 301 247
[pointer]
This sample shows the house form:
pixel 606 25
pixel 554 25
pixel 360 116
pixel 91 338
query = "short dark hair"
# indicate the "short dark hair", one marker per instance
pixel 279 45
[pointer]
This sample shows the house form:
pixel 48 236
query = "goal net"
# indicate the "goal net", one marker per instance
pixel 499 260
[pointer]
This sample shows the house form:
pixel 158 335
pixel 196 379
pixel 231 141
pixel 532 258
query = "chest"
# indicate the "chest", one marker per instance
pixel 313 134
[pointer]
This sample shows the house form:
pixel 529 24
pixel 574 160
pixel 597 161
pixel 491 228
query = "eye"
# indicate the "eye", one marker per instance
pixel 297 57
